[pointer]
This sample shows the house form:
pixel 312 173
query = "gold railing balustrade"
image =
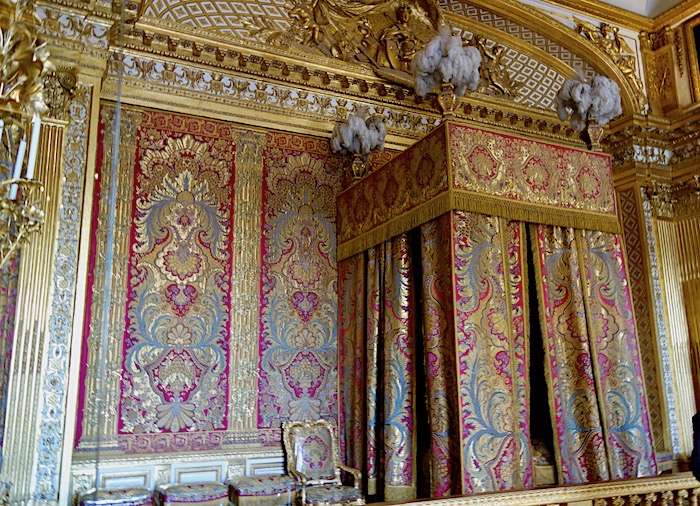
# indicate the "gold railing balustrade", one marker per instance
pixel 680 489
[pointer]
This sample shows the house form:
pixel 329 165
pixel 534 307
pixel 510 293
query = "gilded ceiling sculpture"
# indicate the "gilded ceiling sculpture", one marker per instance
pixel 607 38
pixel 385 35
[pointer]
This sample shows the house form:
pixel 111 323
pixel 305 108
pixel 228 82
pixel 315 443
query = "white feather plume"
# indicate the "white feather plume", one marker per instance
pixel 359 134
pixel 600 99
pixel 445 60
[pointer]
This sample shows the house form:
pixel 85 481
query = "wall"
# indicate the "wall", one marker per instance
pixel 222 320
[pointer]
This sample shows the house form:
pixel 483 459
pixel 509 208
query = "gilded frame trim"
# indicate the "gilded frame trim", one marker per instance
pixel 692 55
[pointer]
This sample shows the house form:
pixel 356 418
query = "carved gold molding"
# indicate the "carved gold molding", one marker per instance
pixel 692 54
pixel 676 14
pixel 247 95
pixel 605 11
pixel 669 488
pixel 674 201
pixel 59 90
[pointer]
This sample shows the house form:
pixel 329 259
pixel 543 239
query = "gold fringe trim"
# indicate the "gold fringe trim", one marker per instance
pixel 534 213
pixel 396 493
pixel 402 223
pixel 460 200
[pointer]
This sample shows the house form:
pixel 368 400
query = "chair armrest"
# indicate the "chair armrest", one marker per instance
pixel 300 478
pixel 355 472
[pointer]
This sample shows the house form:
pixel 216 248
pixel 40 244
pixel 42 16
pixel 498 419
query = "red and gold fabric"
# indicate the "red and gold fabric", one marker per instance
pixel 617 359
pixel 491 353
pixel 399 372
pixel 460 168
pixel 439 357
pixel 579 440
pixel 595 375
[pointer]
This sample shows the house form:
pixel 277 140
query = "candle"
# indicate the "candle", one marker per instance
pixel 33 145
pixel 18 166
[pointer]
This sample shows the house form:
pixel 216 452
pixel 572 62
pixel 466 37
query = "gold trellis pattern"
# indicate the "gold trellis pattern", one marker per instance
pixel 637 268
pixel 512 28
pixel 224 17
pixel 538 83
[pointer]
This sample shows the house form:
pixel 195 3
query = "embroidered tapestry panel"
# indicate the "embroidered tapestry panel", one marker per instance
pixel 224 270
pixel 298 305
pixel 176 340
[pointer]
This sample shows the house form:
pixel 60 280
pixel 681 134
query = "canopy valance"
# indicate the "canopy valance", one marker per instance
pixel 460 168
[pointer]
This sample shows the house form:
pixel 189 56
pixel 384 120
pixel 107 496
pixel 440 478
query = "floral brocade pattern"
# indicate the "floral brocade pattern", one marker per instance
pixel 298 309
pixel 175 352
pixel 579 436
pixel 440 353
pixel 520 169
pixel 618 359
pixel 314 453
pixel 594 357
pixel 351 347
pixel 399 365
pixel 408 180
pixel 491 353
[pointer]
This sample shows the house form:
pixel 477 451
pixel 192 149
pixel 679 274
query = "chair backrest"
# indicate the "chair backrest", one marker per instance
pixel 311 450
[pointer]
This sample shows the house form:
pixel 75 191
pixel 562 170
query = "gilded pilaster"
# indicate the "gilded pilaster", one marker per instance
pixel 90 78
pixel 245 319
pixel 33 352
pixel 658 57
pixel 646 152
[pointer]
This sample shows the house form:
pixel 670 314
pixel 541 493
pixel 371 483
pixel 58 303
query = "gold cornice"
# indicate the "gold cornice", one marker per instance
pixel 555 30
pixel 225 43
pixel 676 14
pixel 607 12
pixel 675 130
pixel 360 84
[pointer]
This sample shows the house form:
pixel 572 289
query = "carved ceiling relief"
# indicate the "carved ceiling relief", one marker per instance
pixel 384 35
pixel 607 38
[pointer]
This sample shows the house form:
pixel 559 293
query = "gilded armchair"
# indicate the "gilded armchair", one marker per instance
pixel 312 459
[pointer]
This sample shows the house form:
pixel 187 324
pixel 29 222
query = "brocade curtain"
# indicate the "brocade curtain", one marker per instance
pixel 593 369
pixel 473 360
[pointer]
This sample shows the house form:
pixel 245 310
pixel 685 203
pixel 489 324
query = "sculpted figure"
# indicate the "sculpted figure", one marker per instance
pixel 399 42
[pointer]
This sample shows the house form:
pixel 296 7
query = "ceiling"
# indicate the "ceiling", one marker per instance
pixel 648 8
